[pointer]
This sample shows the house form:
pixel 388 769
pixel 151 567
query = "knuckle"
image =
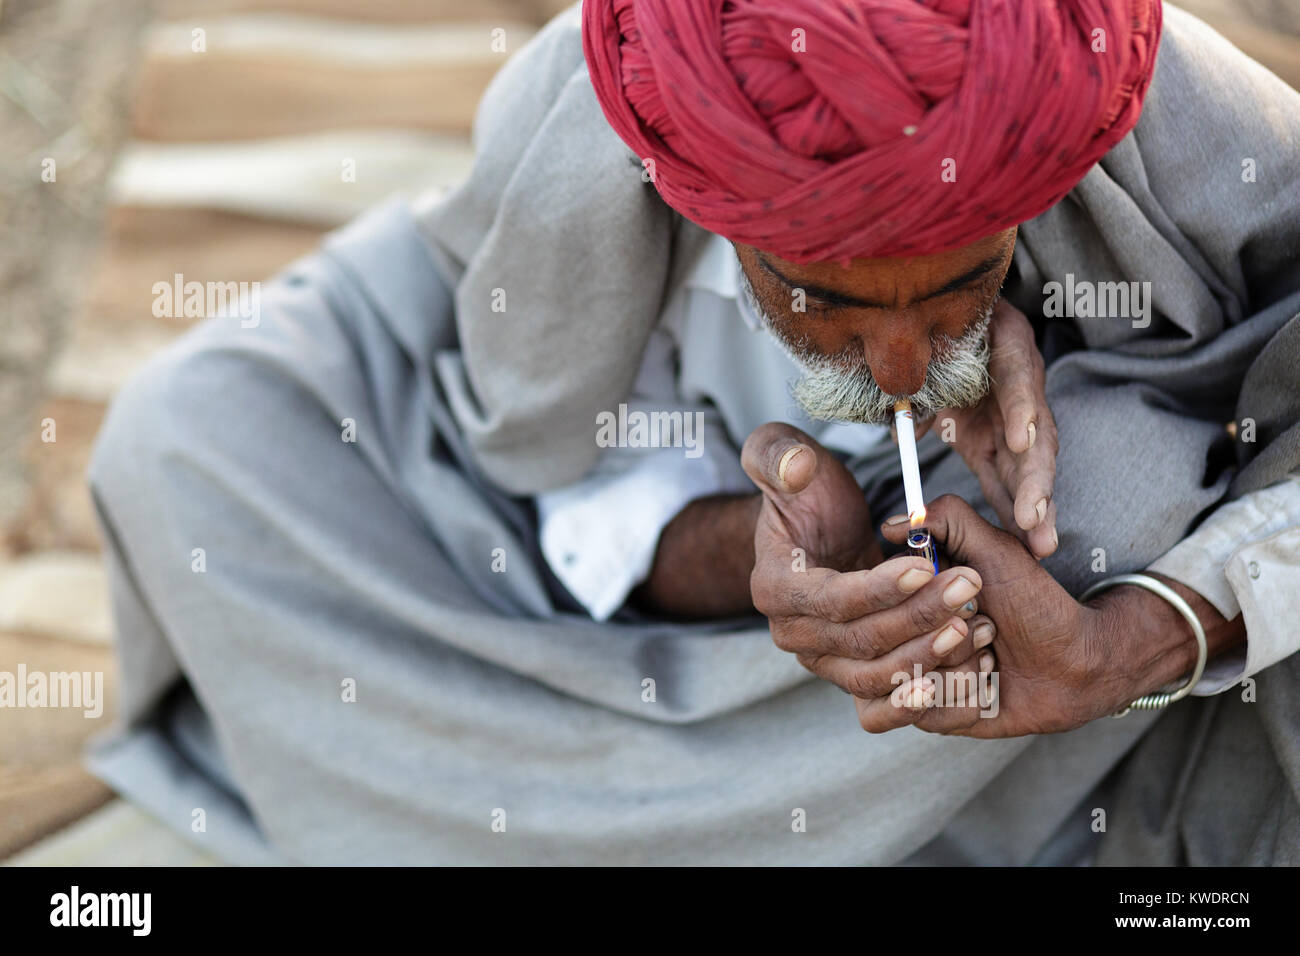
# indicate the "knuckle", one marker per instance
pixel 822 604
pixel 863 642
pixel 863 682
pixel 783 636
pixel 923 615
pixel 792 595
pixel 813 663
pixel 954 656
pixel 772 592
pixel 798 634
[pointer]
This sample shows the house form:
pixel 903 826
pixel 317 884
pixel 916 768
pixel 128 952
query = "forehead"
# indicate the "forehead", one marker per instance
pixel 888 272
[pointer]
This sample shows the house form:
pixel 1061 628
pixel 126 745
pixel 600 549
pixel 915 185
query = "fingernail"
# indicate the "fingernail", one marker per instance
pixel 959 592
pixel 1033 433
pixel 1055 539
pixel 990 694
pixel 986 662
pixel 948 638
pixel 983 635
pixel 913 579
pixel 790 455
pixel 1041 508
pixel 896 519
pixel 919 697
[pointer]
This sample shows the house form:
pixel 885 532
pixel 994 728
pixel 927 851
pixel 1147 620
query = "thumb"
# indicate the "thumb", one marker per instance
pixel 779 458
pixel 956 526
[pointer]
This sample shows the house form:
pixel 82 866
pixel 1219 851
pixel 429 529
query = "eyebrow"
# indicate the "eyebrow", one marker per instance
pixel 835 297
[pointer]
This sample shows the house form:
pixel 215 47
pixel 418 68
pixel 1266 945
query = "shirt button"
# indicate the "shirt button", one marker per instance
pixel 1253 567
pixel 570 559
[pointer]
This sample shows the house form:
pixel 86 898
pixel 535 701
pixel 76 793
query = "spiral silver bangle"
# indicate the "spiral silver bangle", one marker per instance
pixel 1155 701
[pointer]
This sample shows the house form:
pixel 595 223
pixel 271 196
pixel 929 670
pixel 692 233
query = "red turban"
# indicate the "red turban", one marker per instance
pixel 832 129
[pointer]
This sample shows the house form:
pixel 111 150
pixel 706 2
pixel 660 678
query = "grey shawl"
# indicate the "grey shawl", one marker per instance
pixel 481 697
pixel 556 213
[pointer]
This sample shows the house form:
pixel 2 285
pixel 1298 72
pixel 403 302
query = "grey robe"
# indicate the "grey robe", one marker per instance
pixel 482 696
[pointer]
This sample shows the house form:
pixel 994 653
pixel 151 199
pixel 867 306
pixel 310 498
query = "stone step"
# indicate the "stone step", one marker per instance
pixel 375 11
pixel 62 594
pixel 116 835
pixel 37 803
pixel 322 179
pixel 58 514
pixel 263 75
pixel 144 246
pixel 43 786
pixel 101 355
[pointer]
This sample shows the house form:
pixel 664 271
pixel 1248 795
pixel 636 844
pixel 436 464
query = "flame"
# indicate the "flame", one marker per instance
pixel 917 517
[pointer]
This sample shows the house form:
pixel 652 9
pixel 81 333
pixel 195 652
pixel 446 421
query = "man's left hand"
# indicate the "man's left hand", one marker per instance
pixel 1009 439
pixel 1058 664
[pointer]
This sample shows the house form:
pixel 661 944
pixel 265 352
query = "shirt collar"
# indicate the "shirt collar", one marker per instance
pixel 718 270
pixel 715 269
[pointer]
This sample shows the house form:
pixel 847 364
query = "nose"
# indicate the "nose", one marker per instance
pixel 898 354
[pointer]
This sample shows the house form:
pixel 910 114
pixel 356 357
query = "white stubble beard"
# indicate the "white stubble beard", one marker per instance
pixel 840 387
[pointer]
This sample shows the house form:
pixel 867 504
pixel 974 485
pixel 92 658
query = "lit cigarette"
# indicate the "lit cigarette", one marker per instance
pixel 911 467
pixel 919 541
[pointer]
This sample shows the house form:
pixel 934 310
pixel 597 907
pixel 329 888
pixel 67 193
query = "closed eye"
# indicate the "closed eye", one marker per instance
pixel 820 310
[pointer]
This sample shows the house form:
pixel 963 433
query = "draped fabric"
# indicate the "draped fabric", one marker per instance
pixel 351 680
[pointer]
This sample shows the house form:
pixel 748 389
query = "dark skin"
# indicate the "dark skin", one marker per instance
pixel 891 309
pixel 857 620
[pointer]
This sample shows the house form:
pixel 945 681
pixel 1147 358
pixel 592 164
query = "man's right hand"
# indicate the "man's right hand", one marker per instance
pixel 810 501
pixel 847 615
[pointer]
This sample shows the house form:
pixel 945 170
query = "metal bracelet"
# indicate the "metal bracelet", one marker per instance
pixel 1159 699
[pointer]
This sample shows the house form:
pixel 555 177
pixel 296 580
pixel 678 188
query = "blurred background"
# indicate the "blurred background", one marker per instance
pixel 210 138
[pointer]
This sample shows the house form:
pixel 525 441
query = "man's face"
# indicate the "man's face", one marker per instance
pixel 883 329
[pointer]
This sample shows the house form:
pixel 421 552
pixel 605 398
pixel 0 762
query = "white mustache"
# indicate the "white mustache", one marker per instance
pixel 840 387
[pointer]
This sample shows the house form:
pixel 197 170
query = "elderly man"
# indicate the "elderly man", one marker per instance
pixel 454 555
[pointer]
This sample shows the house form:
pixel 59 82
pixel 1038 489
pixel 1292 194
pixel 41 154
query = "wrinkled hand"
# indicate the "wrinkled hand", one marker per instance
pixel 1058 663
pixel 1009 440
pixel 849 617
pixel 810 501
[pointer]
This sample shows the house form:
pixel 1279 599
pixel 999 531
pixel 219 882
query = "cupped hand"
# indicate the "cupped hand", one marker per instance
pixel 1009 439
pixel 848 616
pixel 1057 664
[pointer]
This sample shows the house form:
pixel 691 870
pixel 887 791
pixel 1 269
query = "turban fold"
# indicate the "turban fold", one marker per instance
pixel 832 129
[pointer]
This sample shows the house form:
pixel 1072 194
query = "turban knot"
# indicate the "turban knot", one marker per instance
pixel 832 129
